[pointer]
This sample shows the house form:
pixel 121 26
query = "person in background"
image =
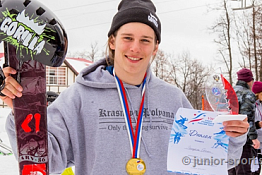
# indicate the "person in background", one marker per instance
pixel 246 99
pixel 51 97
pixel 257 89
pixel 90 124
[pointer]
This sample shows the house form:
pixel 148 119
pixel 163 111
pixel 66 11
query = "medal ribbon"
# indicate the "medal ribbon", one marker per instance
pixel 134 138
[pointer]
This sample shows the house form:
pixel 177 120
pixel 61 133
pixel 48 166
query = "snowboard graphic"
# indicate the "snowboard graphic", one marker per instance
pixel 30 115
pixel 33 39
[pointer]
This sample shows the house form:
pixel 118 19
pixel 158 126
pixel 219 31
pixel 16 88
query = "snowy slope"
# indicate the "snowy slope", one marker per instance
pixel 8 164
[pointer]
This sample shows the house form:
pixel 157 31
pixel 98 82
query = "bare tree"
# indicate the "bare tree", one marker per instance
pixel 244 38
pixel 259 41
pixel 187 74
pixel 249 36
pixel 254 38
pixel 257 38
pixel 190 75
pixel 160 65
pixel 89 55
pixel 223 28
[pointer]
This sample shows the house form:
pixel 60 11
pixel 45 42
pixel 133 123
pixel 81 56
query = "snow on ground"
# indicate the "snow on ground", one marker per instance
pixel 8 164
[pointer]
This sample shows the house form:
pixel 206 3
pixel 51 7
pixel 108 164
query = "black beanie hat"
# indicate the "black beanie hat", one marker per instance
pixel 136 11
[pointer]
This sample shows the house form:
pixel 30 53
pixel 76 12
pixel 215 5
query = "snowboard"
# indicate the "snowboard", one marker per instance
pixel 33 38
pixel 30 115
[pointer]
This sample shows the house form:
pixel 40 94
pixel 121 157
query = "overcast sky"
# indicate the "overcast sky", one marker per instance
pixel 184 24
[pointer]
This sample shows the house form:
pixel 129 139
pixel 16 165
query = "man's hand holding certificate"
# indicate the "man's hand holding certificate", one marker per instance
pixel 197 145
pixel 199 140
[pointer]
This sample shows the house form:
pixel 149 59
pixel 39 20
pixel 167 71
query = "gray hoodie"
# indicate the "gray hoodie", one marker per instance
pixel 86 125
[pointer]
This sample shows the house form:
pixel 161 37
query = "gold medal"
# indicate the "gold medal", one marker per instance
pixel 135 166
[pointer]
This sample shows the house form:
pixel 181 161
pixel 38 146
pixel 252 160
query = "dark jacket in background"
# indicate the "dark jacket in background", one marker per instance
pixel 247 99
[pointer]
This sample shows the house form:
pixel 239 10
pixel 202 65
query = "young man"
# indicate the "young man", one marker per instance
pixel 93 124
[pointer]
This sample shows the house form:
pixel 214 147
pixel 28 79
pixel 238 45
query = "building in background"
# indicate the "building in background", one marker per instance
pixel 59 78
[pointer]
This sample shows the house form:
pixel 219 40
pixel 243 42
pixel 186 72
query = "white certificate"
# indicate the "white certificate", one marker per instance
pixel 197 145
